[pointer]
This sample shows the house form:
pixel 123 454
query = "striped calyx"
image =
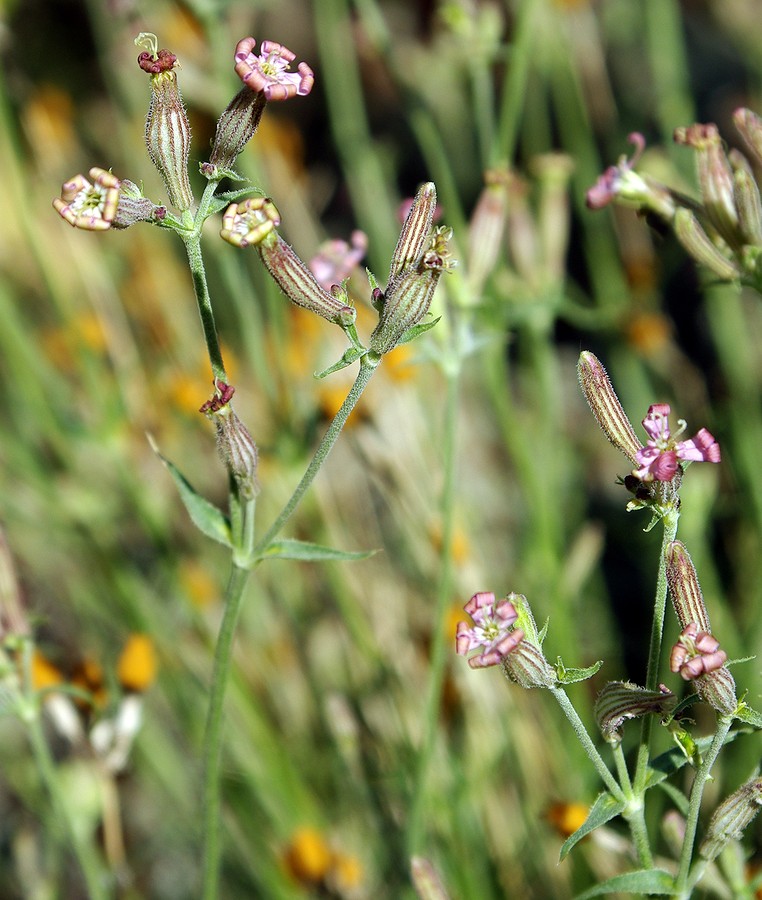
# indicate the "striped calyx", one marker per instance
pixel 168 131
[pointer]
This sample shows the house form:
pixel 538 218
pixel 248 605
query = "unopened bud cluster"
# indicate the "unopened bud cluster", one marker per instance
pixel 723 230
pixel 526 222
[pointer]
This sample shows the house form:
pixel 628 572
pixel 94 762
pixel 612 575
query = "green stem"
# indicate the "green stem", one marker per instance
pixel 192 241
pixel 368 365
pixel 223 656
pixel 587 743
pixel 92 870
pixel 654 650
pixel 514 88
pixel 694 807
pixel 439 650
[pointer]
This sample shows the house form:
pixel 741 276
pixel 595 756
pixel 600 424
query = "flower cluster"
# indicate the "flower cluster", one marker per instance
pixel 722 230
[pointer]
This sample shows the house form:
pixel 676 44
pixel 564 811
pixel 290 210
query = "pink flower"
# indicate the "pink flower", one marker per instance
pixel 659 459
pixel 696 653
pixel 492 629
pixel 336 260
pixel 90 206
pixel 269 73
pixel 608 186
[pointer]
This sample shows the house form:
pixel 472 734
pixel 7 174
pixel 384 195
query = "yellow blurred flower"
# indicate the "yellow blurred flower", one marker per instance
pixel 88 676
pixel 63 345
pixel 566 818
pixel 198 584
pixel 399 364
pixel 460 549
pixel 308 857
pixel 649 332
pixel 43 673
pixel 48 117
pixel 136 669
pixel 347 872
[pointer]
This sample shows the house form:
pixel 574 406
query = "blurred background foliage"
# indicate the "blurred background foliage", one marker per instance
pixel 100 344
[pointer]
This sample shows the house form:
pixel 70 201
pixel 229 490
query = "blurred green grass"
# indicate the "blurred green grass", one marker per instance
pixel 99 343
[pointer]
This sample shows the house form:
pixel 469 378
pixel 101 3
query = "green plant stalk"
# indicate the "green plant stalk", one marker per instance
pixel 668 61
pixel 368 365
pixel 192 241
pixel 245 557
pixel 587 743
pixel 514 88
pixel 92 870
pixel 670 521
pixel 439 648
pixel 223 656
pixel 694 808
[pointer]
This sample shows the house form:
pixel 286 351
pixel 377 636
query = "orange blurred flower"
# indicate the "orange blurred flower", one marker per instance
pixel 308 857
pixel 137 666
pixel 566 818
pixel 43 673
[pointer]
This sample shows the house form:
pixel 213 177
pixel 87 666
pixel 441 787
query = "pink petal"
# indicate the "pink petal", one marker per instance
pixel 702 447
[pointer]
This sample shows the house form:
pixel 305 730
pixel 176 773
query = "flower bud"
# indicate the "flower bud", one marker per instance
pixel 526 664
pixel 692 236
pixel 605 406
pixel 235 444
pixel 235 128
pixel 717 688
pixel 747 199
pixel 749 126
pixel 715 178
pixel 299 284
pixel 486 228
pixel 621 700
pixel 417 264
pixel 553 171
pixel 684 588
pixel 167 131
pixel 732 817
pixel 133 207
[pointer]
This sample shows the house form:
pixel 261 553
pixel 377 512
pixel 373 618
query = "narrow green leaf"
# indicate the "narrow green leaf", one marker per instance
pixel 644 881
pixel 603 810
pixel 416 331
pixel 307 552
pixel 204 515
pixel 351 354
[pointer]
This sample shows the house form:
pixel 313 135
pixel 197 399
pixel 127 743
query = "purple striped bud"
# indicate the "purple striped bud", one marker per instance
pixel 235 444
pixel 715 178
pixel 417 264
pixel 691 234
pixel 732 817
pixel 605 406
pixel 714 685
pixel 167 132
pixel 621 700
